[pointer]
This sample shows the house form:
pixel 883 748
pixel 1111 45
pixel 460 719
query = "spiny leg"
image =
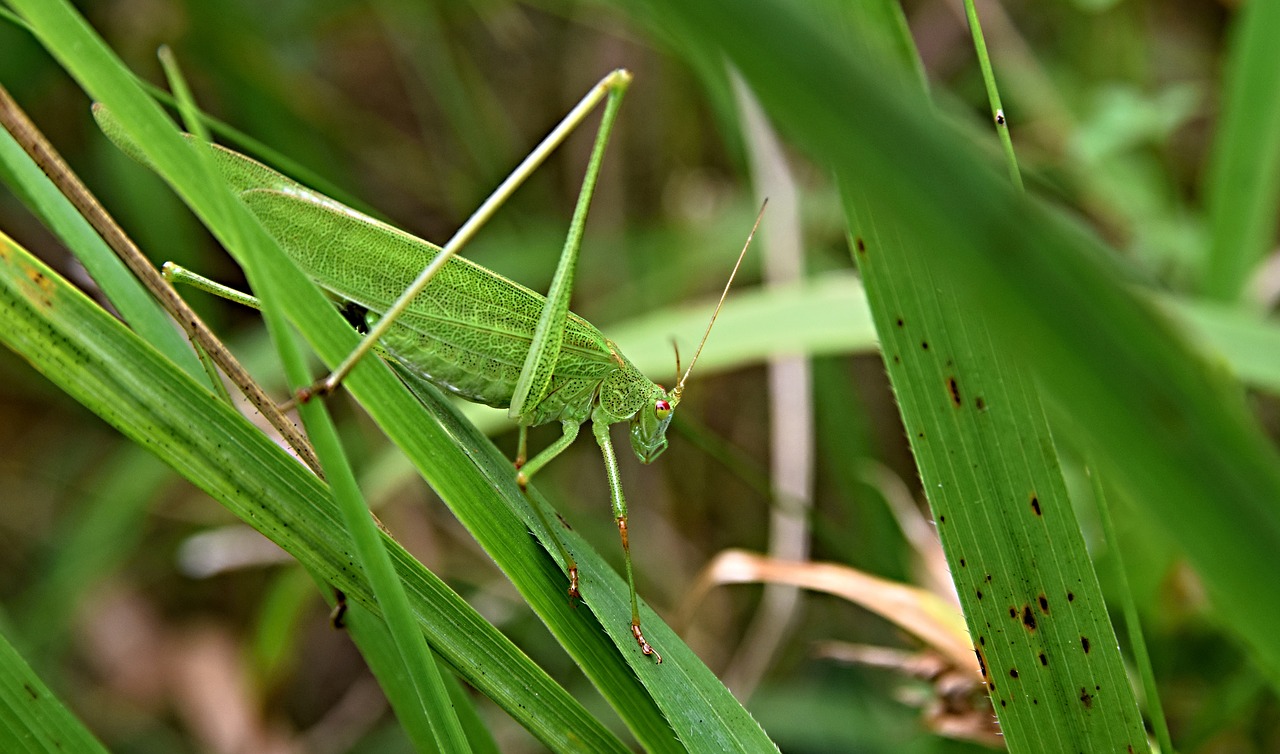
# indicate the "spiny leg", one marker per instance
pixel 600 427
pixel 526 470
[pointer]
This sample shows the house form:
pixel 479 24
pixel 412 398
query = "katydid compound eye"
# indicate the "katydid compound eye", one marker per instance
pixel 661 409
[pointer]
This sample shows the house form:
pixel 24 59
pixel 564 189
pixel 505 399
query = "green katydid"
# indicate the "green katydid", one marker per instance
pixel 472 331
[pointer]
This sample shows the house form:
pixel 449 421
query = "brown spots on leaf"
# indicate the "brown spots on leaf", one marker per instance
pixel 942 519
pixel 1013 612
pixel 924 345
pixel 979 592
pixel 980 403
pixel 1044 604
pixel 1071 596
pixel 1035 505
pixel 1013 672
pixel 982 661
pixel 1084 643
pixel 1028 618
pixel 1044 660
pixel 954 388
pixel 900 322
pixel 1004 703
pixel 1086 698
pixel 862 247
pixel 41 288
pixel 962 564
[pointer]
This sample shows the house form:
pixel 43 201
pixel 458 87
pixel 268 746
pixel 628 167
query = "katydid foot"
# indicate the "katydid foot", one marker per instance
pixel 522 480
pixel 644 645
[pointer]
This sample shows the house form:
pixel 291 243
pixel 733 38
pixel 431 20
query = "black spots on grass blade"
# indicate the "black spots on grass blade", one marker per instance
pixel 1044 659
pixel 980 403
pixel 1044 604
pixel 901 323
pixel 924 345
pixel 1084 644
pixel 1028 618
pixel 1013 672
pixel 1086 698
pixel 979 593
pixel 1071 596
pixel 860 245
pixel 962 563
pixel 1035 505
pixel 953 388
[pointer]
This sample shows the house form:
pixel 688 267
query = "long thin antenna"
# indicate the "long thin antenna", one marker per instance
pixel 675 394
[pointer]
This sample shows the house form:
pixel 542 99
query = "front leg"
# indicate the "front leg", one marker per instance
pixel 526 470
pixel 600 427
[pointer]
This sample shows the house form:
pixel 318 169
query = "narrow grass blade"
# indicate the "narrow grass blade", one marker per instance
pixel 424 697
pixel 56 212
pixel 1244 175
pixel 32 719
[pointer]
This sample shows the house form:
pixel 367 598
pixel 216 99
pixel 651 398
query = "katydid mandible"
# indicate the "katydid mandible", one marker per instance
pixel 472 331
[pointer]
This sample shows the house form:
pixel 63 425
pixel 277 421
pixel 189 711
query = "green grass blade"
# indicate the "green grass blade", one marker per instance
pixel 813 317
pixel 1033 605
pixel 1169 430
pixel 32 719
pixel 125 292
pixel 378 649
pixel 424 697
pixel 1244 175
pixel 107 368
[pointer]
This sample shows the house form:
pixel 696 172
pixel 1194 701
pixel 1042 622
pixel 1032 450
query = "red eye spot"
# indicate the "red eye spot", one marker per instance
pixel 661 409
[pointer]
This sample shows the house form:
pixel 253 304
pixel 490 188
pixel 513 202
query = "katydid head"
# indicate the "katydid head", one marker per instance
pixel 649 425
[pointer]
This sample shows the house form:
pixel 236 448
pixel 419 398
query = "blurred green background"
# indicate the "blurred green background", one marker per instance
pixel 164 624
